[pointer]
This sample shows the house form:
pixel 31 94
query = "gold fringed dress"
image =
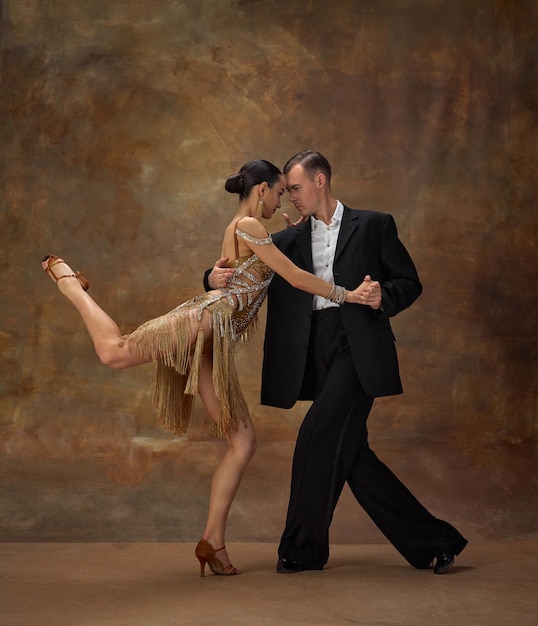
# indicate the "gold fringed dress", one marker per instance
pixel 167 339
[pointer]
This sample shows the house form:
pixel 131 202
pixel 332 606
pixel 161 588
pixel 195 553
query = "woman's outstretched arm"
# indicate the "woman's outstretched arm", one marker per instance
pixel 367 293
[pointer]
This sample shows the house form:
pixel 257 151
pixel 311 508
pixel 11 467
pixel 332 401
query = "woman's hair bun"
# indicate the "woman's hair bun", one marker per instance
pixel 234 183
pixel 251 174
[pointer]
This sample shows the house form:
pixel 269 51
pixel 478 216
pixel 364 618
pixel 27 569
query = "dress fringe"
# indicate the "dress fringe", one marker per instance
pixel 167 340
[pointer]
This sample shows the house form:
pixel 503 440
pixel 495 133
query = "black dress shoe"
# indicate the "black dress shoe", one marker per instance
pixel 444 559
pixel 285 566
pixel 443 562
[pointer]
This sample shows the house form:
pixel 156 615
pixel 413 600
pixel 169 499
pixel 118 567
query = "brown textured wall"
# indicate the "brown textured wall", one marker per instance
pixel 119 123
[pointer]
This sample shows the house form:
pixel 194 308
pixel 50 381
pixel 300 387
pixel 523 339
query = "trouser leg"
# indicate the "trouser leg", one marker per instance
pixel 323 454
pixel 332 447
pixel 406 523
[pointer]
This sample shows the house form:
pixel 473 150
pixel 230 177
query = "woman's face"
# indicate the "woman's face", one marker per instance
pixel 272 197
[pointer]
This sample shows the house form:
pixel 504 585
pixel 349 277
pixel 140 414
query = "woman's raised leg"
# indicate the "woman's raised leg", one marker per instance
pixel 103 330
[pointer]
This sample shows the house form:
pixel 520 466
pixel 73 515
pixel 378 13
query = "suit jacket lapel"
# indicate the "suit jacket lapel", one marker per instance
pixel 303 239
pixel 350 223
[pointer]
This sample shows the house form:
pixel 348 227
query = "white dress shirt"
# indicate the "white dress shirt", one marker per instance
pixel 324 238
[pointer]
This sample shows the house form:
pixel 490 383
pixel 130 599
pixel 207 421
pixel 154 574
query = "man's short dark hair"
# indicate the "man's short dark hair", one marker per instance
pixel 312 162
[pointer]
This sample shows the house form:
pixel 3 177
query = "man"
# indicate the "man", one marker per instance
pixel 341 358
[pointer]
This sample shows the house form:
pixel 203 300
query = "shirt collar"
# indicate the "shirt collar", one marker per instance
pixel 336 218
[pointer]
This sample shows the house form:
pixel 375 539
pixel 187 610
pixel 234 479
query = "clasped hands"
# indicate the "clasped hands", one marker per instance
pixel 368 293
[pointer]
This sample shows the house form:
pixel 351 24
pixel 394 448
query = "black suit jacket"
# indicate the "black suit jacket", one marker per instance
pixel 368 243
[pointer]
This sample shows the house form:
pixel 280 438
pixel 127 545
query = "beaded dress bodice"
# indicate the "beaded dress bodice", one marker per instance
pixel 245 290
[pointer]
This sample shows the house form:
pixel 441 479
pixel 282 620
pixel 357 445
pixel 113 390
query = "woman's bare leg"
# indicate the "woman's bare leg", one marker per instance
pixel 228 475
pixel 105 335
pixel 103 330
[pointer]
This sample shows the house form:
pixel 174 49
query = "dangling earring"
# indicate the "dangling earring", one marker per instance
pixel 259 210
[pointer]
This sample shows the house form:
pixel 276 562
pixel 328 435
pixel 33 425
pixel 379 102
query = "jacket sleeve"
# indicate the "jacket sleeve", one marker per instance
pixel 206 279
pixel 400 284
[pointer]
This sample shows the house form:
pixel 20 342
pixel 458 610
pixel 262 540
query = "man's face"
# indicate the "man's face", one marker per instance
pixel 304 193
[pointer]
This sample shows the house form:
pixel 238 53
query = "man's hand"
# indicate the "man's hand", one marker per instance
pixel 290 224
pixel 220 275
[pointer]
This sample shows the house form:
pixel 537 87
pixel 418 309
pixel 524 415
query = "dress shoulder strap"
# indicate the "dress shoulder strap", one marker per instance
pixel 238 232
pixel 247 237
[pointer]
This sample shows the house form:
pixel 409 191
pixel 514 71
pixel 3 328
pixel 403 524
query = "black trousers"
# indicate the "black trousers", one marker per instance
pixel 332 448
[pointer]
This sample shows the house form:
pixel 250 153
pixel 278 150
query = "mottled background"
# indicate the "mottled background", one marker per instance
pixel 120 121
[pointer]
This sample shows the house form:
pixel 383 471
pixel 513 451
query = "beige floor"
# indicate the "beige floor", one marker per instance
pixel 143 584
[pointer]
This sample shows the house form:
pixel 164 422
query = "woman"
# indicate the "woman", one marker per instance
pixel 194 343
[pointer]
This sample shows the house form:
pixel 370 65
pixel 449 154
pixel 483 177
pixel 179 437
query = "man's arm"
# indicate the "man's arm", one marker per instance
pixel 402 285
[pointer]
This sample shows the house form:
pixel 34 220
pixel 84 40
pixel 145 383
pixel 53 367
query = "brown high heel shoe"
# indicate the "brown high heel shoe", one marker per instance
pixel 206 553
pixel 52 260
